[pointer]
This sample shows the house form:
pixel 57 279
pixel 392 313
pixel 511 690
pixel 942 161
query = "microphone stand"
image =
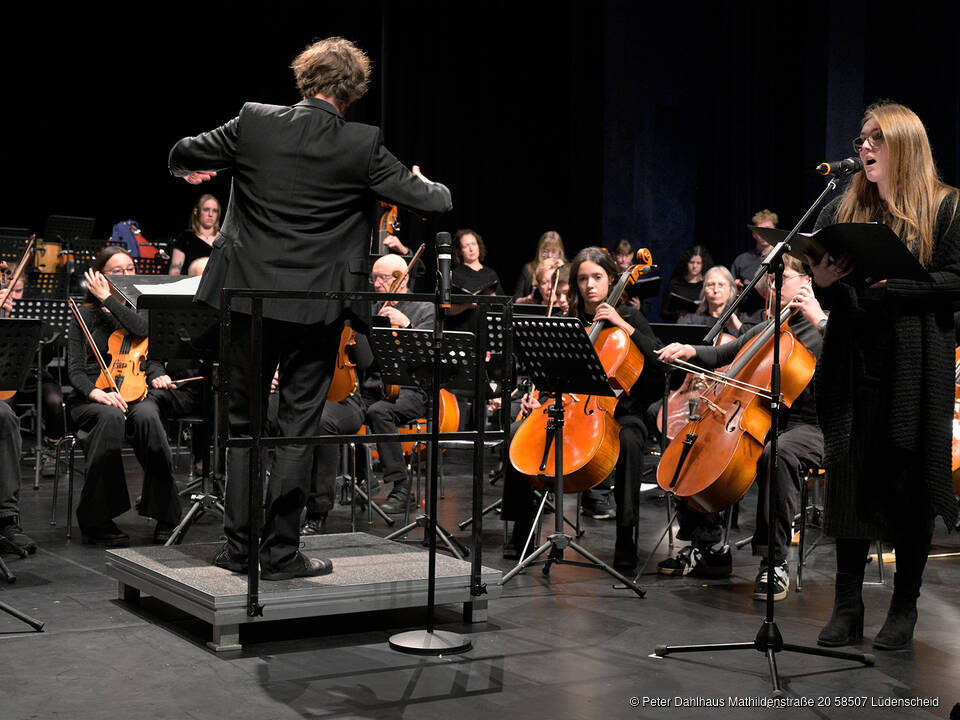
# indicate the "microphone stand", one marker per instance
pixel 769 640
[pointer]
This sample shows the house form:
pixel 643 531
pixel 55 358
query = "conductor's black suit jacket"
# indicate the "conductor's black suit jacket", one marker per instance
pixel 299 214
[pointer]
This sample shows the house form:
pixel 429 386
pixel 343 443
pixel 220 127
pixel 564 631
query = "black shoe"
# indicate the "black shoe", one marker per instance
pixel 599 508
pixel 162 532
pixel 106 535
pixel 781 582
pixel 680 564
pixel 228 561
pixel 845 626
pixel 299 566
pixel 15 535
pixel 511 551
pixel 314 525
pixel 897 630
pixel 714 563
pixel 398 502
pixel 625 550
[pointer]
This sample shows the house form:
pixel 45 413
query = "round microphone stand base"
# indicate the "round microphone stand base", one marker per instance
pixel 426 642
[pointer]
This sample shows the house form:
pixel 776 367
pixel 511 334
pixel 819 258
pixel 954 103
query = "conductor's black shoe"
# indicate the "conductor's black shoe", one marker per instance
pixel 162 532
pixel 313 525
pixel 106 535
pixel 398 502
pixel 299 566
pixel 228 561
pixel 15 535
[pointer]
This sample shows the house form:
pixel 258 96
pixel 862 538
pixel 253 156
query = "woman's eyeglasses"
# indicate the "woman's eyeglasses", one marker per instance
pixel 875 138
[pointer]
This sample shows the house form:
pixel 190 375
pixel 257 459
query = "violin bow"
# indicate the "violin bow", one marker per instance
pixel 86 332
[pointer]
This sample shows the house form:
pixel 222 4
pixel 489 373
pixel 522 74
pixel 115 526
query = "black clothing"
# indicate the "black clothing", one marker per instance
pixel 744 267
pixel 192 247
pixel 707 320
pixel 524 283
pixel 10 448
pixel 472 280
pixel 680 297
pixel 885 395
pixel 104 495
pixel 304 181
pixel 298 217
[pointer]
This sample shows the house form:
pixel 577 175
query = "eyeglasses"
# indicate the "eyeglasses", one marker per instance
pixel 875 138
pixel 377 277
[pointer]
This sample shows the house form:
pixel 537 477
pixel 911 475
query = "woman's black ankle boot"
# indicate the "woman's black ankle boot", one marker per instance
pixel 845 626
pixel 897 630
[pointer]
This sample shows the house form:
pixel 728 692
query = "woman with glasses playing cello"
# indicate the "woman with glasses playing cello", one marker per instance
pixel 109 419
pixel 885 387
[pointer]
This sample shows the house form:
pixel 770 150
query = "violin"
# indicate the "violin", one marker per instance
pixel 125 375
pixel 392 392
pixel 956 423
pixel 591 437
pixel 712 461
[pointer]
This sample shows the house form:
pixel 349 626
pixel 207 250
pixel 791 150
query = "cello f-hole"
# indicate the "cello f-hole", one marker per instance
pixel 731 425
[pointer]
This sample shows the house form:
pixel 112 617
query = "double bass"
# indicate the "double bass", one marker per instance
pixel 591 436
pixel 712 462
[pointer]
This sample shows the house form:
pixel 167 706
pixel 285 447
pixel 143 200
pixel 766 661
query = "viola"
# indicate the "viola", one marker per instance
pixel 712 462
pixel 591 436
pixel 125 375
pixel 344 382
pixel 956 423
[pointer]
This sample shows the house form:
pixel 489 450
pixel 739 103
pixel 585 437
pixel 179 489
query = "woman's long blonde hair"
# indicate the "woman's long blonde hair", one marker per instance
pixel 915 191
pixel 551 238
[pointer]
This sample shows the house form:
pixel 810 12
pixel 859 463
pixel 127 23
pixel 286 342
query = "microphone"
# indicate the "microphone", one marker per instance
pixel 443 267
pixel 840 167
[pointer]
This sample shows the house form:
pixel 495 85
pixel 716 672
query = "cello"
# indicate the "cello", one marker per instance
pixel 591 437
pixel 712 462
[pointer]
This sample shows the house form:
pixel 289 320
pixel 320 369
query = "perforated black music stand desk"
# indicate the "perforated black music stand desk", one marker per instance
pixel 19 339
pixel 405 357
pixel 151 265
pixel 184 330
pixel 55 285
pixel 66 228
pixel 559 357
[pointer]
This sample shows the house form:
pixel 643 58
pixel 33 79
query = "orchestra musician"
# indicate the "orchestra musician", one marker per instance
pixel 885 387
pixel 549 247
pixel 10 449
pixel 543 285
pixel 715 297
pixel 385 414
pixel 683 291
pixel 746 264
pixel 303 178
pixel 594 273
pixel 197 240
pixel 108 420
pixel 800 445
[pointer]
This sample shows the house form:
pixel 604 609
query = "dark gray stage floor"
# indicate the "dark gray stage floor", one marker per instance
pixel 568 647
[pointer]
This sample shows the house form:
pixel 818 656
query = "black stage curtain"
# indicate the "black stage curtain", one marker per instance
pixel 667 125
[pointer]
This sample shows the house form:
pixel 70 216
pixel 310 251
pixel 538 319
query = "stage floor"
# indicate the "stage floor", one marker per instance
pixel 369 573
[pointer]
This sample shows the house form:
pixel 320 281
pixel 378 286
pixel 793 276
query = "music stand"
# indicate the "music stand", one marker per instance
pixel 11 247
pixel 560 358
pixel 406 358
pixel 151 265
pixel 47 285
pixel 66 228
pixel 185 330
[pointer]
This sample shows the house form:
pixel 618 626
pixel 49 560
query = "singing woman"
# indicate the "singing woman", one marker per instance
pixel 885 384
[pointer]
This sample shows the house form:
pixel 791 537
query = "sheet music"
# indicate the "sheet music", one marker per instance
pixel 187 286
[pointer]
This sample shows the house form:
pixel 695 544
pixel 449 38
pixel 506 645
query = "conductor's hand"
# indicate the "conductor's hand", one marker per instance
pixel 108 398
pixel 199 176
pixel 675 351
pixel 97 284
pixel 164 382
pixel 416 171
